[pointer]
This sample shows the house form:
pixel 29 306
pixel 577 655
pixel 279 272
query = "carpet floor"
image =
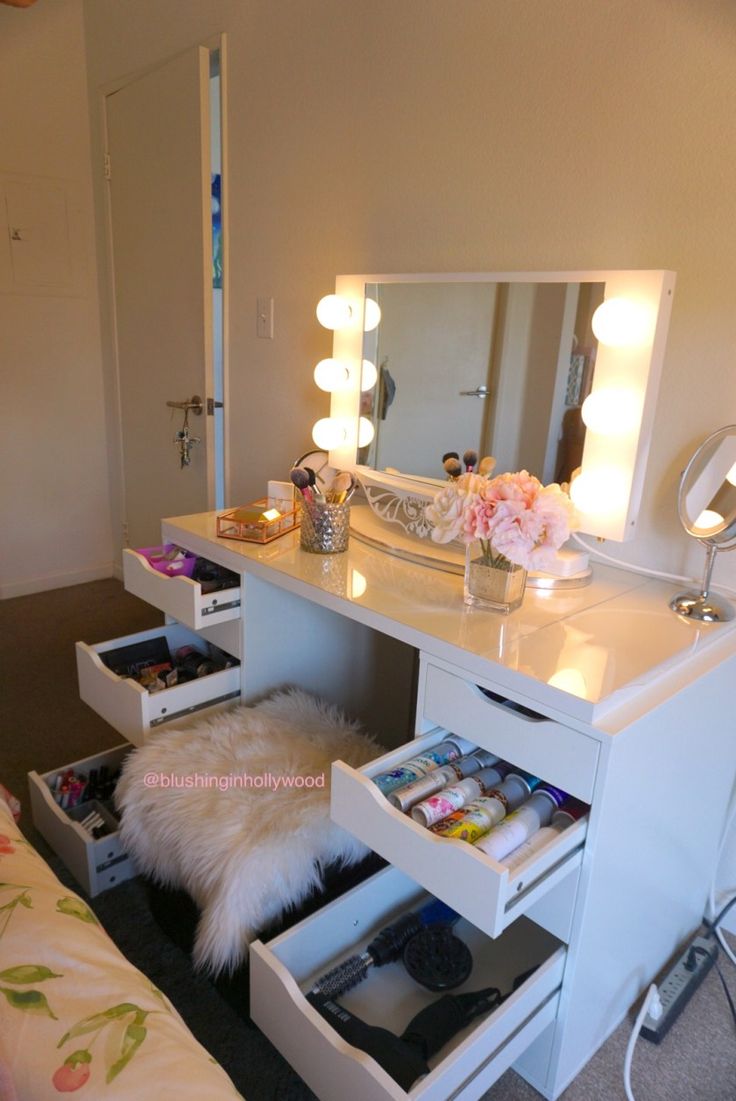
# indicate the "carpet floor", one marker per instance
pixel 44 725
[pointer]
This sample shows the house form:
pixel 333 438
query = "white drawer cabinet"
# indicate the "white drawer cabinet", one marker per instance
pixel 282 970
pixel 128 706
pixel 484 891
pixel 621 701
pixel 179 597
pixel 561 756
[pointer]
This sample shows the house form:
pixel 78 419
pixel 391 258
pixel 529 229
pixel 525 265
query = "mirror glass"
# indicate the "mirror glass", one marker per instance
pixel 502 368
pixel 707 499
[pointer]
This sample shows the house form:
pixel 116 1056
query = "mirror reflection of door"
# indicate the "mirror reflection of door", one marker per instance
pixel 163 144
pixel 501 368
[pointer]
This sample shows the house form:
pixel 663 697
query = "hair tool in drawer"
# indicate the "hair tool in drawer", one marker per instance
pixel 385 947
pixel 405 1058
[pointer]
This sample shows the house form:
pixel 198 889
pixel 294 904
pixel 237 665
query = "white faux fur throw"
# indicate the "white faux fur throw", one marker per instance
pixel 244 853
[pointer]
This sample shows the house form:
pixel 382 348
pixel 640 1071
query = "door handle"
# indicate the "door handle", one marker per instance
pixel 194 405
pixel 479 392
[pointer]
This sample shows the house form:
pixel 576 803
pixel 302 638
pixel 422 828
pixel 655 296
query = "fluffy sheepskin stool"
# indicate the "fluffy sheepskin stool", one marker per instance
pixel 244 853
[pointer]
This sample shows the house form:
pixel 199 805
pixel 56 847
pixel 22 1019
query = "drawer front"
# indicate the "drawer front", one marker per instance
pixel 96 864
pixel 482 890
pixel 129 707
pixel 563 757
pixel 180 597
pixel 333 1068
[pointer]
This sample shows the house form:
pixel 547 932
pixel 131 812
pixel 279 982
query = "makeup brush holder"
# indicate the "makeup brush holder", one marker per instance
pixel 325 528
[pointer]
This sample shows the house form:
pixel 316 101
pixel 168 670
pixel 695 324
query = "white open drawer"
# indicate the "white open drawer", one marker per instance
pixel 133 710
pixel 95 863
pixel 467 1066
pixel 180 597
pixel 482 890
pixel 561 756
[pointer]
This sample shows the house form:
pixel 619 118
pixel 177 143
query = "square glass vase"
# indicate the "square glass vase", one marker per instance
pixel 491 581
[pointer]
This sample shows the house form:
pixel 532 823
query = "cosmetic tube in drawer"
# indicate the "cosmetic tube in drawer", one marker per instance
pixel 480 888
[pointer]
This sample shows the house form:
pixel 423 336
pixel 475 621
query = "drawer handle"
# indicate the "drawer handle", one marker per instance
pixel 511 705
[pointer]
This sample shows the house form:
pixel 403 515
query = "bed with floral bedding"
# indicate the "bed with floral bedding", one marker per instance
pixel 75 1015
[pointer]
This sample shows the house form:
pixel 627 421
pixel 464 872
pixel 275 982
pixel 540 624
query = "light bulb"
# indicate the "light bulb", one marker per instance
pixel 334 311
pixel 371 315
pixel 328 433
pixel 612 412
pixel 622 322
pixel 597 492
pixel 368 376
pixel 366 432
pixel 331 374
pixel 708 518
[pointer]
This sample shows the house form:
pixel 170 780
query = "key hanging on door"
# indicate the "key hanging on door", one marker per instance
pixel 185 441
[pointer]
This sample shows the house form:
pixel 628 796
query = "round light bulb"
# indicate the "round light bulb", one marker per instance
pixel 334 311
pixel 366 432
pixel 708 518
pixel 368 376
pixel 328 433
pixel 331 374
pixel 622 322
pixel 611 412
pixel 371 315
pixel 597 492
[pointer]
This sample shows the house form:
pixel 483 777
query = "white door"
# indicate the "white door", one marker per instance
pixel 160 215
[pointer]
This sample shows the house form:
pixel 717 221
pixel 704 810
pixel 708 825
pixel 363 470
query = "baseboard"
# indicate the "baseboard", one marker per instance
pixel 57 581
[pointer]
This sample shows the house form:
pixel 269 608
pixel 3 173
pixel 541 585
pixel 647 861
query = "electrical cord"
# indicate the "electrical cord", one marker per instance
pixel 644 569
pixel 653 1006
pixel 715 922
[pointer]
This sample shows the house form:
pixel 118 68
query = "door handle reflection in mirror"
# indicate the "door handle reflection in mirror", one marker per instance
pixel 479 392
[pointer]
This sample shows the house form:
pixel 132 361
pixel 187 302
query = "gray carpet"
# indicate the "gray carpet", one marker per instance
pixel 44 725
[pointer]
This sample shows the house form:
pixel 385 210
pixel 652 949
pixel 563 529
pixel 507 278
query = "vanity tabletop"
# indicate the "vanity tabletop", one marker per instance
pixel 596 654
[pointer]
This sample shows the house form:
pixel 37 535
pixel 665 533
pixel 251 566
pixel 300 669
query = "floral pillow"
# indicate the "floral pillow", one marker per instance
pixel 75 1016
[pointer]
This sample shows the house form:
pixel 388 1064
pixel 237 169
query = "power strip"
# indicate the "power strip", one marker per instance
pixel 681 982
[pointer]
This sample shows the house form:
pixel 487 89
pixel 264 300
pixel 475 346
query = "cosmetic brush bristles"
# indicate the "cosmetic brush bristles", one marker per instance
pixel 300 478
pixel 470 458
pixel 453 468
pixel 342 486
pixel 486 465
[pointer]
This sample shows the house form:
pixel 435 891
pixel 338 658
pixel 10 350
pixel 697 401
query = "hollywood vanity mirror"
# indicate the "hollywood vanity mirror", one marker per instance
pixel 547 371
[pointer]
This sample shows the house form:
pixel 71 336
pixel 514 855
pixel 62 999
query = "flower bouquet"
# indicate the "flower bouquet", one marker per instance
pixel 509 524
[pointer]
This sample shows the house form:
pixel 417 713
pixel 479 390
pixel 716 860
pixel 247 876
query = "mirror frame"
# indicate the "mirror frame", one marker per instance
pixel 607 460
pixel 720 534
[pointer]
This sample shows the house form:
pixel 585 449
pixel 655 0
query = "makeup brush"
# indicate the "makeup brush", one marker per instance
pixel 453 468
pixel 486 465
pixel 470 458
pixel 300 479
pixel 316 492
pixel 449 455
pixel 343 483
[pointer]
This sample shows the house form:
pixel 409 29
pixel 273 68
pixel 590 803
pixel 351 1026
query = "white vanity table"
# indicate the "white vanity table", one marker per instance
pixel 623 705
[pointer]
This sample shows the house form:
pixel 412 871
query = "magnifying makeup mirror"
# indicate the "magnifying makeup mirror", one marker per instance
pixel 707 507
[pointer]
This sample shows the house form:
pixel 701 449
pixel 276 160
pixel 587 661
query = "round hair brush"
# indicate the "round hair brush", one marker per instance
pixel 385 947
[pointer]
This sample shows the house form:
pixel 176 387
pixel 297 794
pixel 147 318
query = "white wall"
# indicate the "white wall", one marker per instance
pixel 426 136
pixel 54 498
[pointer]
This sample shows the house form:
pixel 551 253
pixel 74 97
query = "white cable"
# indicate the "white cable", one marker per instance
pixel 643 569
pixel 712 895
pixel 653 1006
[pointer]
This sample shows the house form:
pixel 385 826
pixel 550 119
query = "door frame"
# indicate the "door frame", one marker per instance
pixel 110 334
